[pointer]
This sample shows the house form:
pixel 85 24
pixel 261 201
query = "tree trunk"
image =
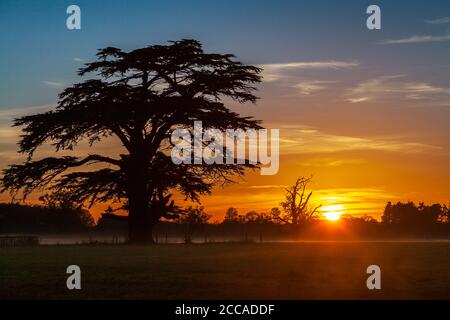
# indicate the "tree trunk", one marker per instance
pixel 140 222
pixel 140 231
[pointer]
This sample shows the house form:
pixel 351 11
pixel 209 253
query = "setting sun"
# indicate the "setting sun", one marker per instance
pixel 333 212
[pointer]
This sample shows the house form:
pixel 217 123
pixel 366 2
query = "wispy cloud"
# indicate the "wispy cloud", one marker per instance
pixel 424 38
pixel 268 186
pixel 384 86
pixel 8 133
pixel 301 141
pixel 277 71
pixel 329 162
pixel 372 88
pixel 358 100
pixel 54 84
pixel 418 39
pixel 308 87
pixel 78 59
pixel 444 20
pixel 8 114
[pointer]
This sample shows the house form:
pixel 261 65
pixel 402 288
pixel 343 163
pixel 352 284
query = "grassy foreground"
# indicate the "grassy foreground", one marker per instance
pixel 332 270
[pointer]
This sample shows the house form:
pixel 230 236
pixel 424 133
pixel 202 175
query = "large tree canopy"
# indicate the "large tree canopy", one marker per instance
pixel 139 97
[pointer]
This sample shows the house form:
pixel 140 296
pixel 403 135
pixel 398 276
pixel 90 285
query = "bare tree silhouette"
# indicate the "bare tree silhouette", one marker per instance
pixel 139 97
pixel 296 206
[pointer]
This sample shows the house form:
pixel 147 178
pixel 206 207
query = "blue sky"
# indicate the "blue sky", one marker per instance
pixel 37 47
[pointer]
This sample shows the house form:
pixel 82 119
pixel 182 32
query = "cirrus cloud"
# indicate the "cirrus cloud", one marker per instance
pixel 394 85
pixel 312 140
pixel 278 71
pixel 308 87
pixel 418 39
pixel 54 84
pixel 444 20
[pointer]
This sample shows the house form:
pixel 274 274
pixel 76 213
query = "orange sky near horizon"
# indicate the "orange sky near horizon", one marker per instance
pixel 358 174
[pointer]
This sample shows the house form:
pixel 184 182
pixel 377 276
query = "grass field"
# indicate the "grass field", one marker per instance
pixel 331 270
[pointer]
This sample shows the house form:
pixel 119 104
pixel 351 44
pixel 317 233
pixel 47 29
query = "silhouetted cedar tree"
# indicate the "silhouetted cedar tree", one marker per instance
pixel 139 97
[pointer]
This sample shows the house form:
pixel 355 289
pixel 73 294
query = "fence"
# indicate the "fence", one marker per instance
pixel 18 241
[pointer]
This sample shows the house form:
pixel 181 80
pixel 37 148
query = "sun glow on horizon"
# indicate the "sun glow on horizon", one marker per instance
pixel 332 212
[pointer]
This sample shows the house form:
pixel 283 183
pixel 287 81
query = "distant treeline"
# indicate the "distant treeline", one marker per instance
pixel 404 220
pixel 19 218
pixel 400 220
